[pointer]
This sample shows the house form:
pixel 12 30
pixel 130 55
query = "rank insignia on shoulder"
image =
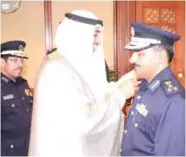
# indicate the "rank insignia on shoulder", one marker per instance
pixel 28 92
pixel 4 79
pixel 169 87
pixel 52 53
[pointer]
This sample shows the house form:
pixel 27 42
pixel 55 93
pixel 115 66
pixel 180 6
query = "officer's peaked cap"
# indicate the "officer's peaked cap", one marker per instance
pixel 144 36
pixel 13 48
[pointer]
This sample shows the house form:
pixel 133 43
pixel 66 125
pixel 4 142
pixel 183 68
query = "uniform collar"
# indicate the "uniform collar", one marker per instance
pixel 5 79
pixel 20 80
pixel 165 74
pixel 144 84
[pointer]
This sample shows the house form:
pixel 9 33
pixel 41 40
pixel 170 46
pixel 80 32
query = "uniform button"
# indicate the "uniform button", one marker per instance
pixel 175 88
pixel 13 105
pixel 27 110
pixel 23 98
pixel 11 146
pixel 138 97
pixel 125 131
pixel 135 125
pixel 132 113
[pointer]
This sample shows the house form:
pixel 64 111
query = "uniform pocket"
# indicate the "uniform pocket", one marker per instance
pixel 9 107
pixel 141 118
pixel 13 147
pixel 8 147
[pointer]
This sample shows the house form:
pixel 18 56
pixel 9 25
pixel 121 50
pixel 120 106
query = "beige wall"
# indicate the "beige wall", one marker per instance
pixel 27 24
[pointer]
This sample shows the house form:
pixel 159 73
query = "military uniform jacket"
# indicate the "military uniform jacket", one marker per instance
pixel 16 110
pixel 156 120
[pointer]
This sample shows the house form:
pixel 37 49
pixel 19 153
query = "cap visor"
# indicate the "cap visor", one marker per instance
pixel 136 46
pixel 25 57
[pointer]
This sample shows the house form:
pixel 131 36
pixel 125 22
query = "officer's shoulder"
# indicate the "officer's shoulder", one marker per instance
pixel 170 88
pixel 21 79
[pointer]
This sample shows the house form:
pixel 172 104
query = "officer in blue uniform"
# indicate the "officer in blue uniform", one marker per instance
pixel 156 121
pixel 16 101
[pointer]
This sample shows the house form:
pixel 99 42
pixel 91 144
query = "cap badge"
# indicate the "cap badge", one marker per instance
pixel 21 48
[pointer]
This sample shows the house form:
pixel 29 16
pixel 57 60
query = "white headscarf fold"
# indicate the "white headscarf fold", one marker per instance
pixel 74 40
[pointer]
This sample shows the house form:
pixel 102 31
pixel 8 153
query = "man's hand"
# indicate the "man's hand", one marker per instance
pixel 128 84
pixel 127 76
pixel 129 88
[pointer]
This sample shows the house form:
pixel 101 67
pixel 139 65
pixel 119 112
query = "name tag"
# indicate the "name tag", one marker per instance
pixel 141 108
pixel 7 97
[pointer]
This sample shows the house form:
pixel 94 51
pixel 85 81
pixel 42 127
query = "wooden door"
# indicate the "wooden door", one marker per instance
pixel 170 16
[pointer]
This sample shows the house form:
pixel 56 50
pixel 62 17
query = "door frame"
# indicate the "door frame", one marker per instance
pixel 123 13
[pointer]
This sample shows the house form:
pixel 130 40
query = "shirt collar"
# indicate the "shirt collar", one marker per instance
pixel 165 74
pixel 5 79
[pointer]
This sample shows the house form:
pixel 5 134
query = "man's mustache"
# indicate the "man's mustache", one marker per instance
pixel 136 65
pixel 19 68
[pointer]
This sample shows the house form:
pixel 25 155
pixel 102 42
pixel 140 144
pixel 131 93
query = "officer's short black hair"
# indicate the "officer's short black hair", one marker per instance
pixel 5 57
pixel 169 50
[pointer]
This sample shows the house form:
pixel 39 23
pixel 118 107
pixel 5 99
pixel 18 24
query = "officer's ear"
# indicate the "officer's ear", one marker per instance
pixel 3 62
pixel 159 53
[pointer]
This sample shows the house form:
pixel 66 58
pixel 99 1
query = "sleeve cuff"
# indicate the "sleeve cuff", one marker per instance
pixel 114 91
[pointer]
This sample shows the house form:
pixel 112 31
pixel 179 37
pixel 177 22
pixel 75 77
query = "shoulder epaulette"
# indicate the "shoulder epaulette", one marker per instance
pixel 169 87
pixel 52 54
pixel 4 79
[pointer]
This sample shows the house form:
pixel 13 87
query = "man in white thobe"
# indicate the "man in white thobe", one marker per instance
pixel 76 111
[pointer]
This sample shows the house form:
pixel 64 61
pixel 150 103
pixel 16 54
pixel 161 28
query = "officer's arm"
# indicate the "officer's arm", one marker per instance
pixel 170 134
